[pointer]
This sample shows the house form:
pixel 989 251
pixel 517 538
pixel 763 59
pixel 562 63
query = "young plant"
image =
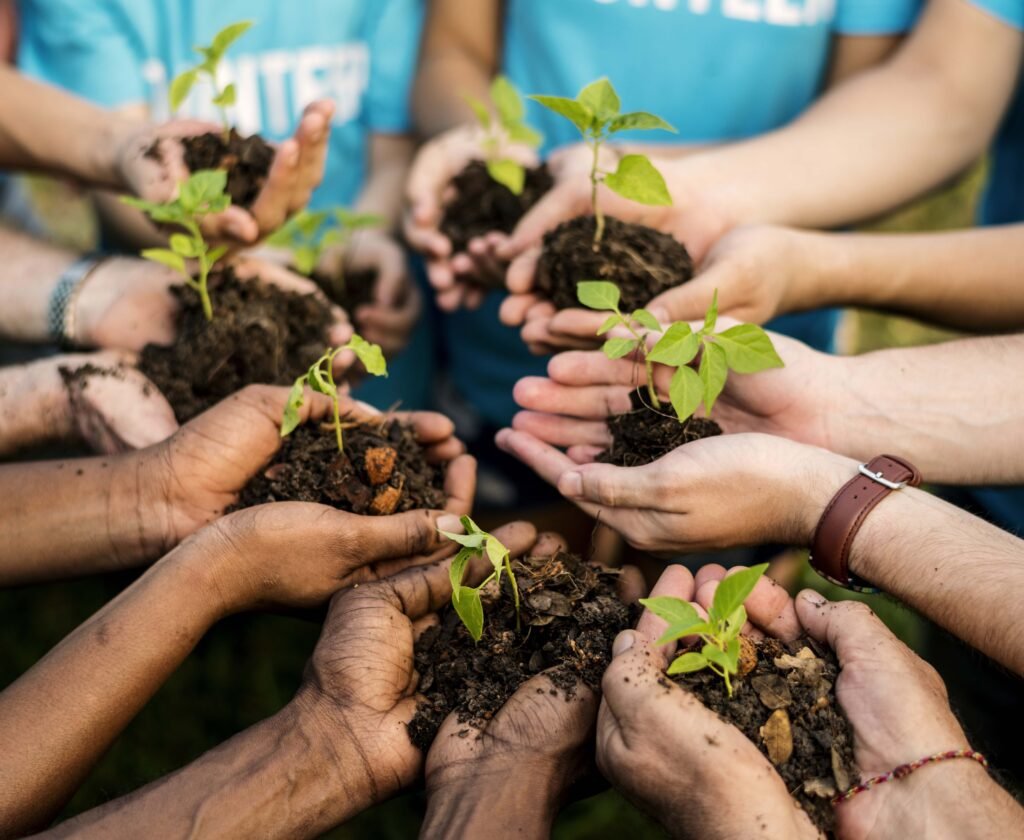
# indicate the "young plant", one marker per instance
pixel 306 237
pixel 720 634
pixel 596 113
pixel 507 122
pixel 320 378
pixel 222 97
pixel 201 195
pixel 466 599
pixel 744 348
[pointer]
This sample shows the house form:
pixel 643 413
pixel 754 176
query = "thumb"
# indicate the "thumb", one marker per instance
pixel 848 627
pixel 391 275
pixel 557 206
pixel 635 669
pixel 691 300
pixel 607 485
pixel 401 535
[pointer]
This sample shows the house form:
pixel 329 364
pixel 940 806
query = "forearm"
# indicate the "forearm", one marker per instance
pixel 949 408
pixel 963 280
pixel 68 518
pixel 62 715
pixel 284 777
pixel 29 272
pixel 34 405
pixel 879 140
pixel 43 128
pixel 390 159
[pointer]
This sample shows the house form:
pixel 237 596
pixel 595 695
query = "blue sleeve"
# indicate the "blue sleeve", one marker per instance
pixel 87 48
pixel 1008 11
pixel 875 17
pixel 394 49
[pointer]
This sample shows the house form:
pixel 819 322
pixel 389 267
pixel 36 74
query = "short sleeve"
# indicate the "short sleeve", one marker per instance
pixel 875 17
pixel 394 49
pixel 1008 11
pixel 86 48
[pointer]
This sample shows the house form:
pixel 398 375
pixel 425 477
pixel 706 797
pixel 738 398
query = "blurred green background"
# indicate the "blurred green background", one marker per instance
pixel 248 667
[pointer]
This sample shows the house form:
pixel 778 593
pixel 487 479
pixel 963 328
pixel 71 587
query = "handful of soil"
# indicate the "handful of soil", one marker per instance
pixel 641 261
pixel 784 701
pixel 481 205
pixel 260 334
pixel 382 471
pixel 644 434
pixel 357 289
pixel 246 159
pixel 569 616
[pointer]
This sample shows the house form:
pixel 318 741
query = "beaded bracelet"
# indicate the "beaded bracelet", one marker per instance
pixel 907 769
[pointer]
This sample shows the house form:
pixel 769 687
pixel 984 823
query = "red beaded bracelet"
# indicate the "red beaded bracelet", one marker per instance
pixel 907 769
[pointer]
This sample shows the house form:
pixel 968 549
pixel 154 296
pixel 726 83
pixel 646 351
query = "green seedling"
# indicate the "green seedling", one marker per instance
pixel 744 348
pixel 504 119
pixel 309 233
pixel 201 195
pixel 320 378
pixel 596 112
pixel 466 599
pixel 719 634
pixel 222 97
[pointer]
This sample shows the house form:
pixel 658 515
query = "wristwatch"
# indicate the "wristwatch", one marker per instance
pixel 61 319
pixel 839 524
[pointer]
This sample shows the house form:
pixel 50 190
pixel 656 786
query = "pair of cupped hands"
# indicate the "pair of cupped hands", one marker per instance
pixel 385 579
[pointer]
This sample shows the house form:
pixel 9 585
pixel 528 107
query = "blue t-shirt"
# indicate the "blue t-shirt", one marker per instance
pixel 361 54
pixel 718 70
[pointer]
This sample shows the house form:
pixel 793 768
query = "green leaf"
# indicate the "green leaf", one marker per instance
pixel 672 610
pixel 217 205
pixel 309 222
pixel 522 133
pixel 688 663
pixel 506 100
pixel 616 348
pixel 203 187
pixel 577 114
pixel 184 245
pixel 496 553
pixel 480 111
pixel 748 349
pixel 711 316
pixel 226 97
pixel 613 321
pixel 732 655
pixel 734 623
pixel 679 631
pixel 598 294
pixel 474 541
pixel 646 319
pixel 369 354
pixel 685 392
pixel 715 654
pixel 457 570
pixel 318 379
pixel 470 526
pixel 508 173
pixel 290 420
pixel 733 590
pixel 227 36
pixel 305 258
pixel 677 346
pixel 601 100
pixel 638 180
pixel 713 372
pixel 180 88
pixel 466 601
pixel 639 120
pixel 165 256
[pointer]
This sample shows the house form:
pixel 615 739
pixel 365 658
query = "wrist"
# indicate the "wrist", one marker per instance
pixel 819 270
pixel 822 476
pixel 142 504
pixel 35 408
pixel 107 154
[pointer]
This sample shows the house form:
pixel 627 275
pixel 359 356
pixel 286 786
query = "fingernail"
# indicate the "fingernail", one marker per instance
pixel 571 484
pixel 623 642
pixel 449 523
pixel 813 598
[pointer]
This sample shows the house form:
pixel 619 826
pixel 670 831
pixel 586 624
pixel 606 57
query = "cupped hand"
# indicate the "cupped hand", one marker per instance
pixel 427 189
pixel 361 680
pixel 674 758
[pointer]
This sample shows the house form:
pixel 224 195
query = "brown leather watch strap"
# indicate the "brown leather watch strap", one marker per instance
pixel 830 548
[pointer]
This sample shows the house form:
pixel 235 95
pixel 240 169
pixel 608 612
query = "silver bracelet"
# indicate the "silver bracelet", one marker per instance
pixel 61 319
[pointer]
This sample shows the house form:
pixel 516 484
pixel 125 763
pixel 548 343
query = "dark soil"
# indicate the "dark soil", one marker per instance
pixel 481 205
pixel 787 706
pixel 356 290
pixel 259 334
pixel 641 261
pixel 382 471
pixel 247 160
pixel 644 434
pixel 570 615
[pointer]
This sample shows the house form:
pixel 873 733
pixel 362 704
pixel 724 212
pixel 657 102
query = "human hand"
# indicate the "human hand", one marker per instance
pixel 654 740
pixel 361 682
pixel 193 476
pixel 296 170
pixel 437 163
pixel 389 319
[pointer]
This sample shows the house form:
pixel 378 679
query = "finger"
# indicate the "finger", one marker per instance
pixel 517 537
pixel 392 279
pixel 675 582
pixel 272 205
pixel 234 225
pixel 512 312
pixel 594 402
pixel 430 427
pixel 631 586
pixel 370 539
pixel 691 300
pixel 522 271
pixel 711 571
pixel 422 625
pixel 425 239
pixel 614 487
pixel 705 598
pixel 313 135
pixel 417 592
pixel 563 431
pixel 460 485
pixel 559 204
pixel 548 545
pixel 847 626
pixel 545 460
pixel 592 368
pixel 578 324
pixel 771 609
pixel 585 454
